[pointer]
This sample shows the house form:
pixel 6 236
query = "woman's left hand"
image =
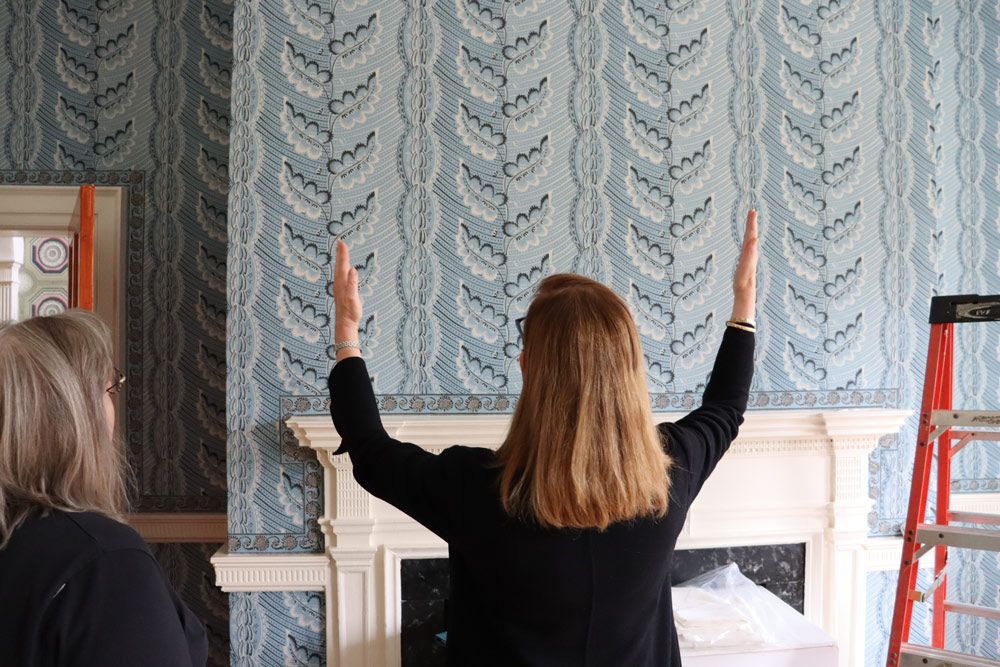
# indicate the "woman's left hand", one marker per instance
pixel 347 301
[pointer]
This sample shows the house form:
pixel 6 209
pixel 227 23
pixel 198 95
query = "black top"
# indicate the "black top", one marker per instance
pixel 523 595
pixel 80 589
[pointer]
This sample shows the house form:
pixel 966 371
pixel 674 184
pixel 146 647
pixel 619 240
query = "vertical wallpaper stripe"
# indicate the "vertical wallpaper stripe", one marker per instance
pixel 748 160
pixel 417 279
pixel 589 213
pixel 166 145
pixel 21 140
pixel 241 347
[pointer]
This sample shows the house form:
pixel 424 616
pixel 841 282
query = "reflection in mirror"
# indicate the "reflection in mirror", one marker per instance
pixel 42 261
pixel 40 253
pixel 34 276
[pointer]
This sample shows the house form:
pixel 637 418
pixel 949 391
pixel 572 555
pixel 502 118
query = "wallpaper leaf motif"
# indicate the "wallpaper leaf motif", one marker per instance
pixel 688 59
pixel 216 76
pixel 211 218
pixel 307 608
pixel 690 114
pixel 823 115
pixel 506 97
pixel 355 225
pixel 216 27
pixel 691 347
pixel 214 123
pixel 292 498
pixel 212 367
pixel 77 26
pixel 300 655
pixel 806 316
pixel 306 75
pixel 77 74
pixel 304 195
pixel 305 136
pixel 212 268
pixel 114 101
pixel 301 318
pixel 651 258
pixel 114 9
pixel 354 106
pixel 304 258
pixel 296 376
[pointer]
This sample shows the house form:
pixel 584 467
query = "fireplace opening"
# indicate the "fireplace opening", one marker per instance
pixel 424 583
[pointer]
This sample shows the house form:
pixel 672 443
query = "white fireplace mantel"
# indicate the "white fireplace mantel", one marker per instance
pixel 792 476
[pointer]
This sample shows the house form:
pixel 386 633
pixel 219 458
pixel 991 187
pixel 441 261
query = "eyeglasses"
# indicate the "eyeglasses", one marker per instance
pixel 116 386
pixel 519 323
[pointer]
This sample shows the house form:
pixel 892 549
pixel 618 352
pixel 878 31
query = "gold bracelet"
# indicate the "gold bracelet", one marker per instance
pixel 748 321
pixel 736 325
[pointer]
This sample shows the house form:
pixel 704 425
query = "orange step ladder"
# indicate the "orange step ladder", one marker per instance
pixel 951 430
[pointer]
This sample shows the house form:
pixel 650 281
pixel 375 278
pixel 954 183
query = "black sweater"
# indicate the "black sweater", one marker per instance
pixel 522 595
pixel 78 589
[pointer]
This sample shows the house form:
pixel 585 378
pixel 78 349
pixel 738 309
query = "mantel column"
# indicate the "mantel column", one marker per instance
pixel 853 437
pixel 347 524
pixel 11 259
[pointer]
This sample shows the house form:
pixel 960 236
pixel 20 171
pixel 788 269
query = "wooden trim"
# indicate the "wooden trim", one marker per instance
pixel 177 527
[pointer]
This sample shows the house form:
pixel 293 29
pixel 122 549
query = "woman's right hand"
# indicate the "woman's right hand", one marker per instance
pixel 745 279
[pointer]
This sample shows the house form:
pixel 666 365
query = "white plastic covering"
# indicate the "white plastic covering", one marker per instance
pixel 723 608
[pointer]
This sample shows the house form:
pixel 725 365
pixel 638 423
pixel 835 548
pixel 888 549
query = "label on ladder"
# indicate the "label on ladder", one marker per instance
pixel 965 418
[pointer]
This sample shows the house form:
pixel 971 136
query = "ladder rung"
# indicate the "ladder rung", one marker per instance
pixel 957 536
pixel 965 418
pixel 974 517
pixel 972 610
pixel 911 655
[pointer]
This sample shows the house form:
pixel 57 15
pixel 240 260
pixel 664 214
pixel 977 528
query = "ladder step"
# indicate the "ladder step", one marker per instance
pixel 965 308
pixel 929 534
pixel 979 418
pixel 974 517
pixel 972 610
pixel 911 655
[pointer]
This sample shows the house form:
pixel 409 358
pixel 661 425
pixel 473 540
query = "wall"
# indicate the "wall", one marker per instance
pixel 116 85
pixel 467 149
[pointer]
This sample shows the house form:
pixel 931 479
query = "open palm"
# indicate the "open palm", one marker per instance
pixel 745 278
pixel 345 291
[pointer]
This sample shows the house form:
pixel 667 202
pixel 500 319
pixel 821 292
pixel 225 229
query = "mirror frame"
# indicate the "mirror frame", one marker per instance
pixel 133 184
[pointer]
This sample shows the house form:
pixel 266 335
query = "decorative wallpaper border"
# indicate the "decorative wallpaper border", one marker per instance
pixel 134 183
pixel 503 404
pixel 291 451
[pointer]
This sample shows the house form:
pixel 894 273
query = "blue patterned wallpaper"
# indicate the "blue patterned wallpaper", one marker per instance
pixel 467 148
pixel 464 171
pixel 118 85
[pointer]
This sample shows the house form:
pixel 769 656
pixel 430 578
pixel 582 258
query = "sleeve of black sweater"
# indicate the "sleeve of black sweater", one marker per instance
pixel 698 440
pixel 400 473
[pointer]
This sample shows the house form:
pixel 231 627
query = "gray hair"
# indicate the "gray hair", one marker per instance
pixel 57 450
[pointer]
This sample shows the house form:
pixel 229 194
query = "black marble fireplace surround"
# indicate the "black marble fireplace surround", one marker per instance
pixel 780 568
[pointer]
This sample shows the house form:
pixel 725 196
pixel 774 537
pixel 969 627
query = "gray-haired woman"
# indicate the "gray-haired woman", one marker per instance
pixel 78 586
